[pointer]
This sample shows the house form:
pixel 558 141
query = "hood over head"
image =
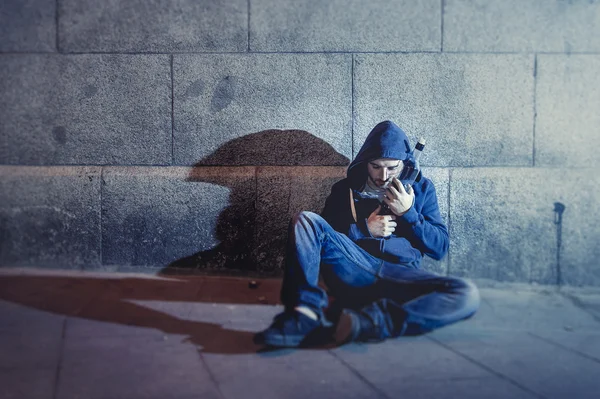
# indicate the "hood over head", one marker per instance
pixel 386 140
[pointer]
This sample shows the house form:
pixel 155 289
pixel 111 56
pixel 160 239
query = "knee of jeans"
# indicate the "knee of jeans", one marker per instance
pixel 305 216
pixel 471 293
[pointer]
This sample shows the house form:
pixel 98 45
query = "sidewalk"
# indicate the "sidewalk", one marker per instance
pixel 67 335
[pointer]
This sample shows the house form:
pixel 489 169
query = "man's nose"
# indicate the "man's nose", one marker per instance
pixel 386 173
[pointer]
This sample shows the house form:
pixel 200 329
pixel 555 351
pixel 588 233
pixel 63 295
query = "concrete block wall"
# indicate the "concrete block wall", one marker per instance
pixel 136 135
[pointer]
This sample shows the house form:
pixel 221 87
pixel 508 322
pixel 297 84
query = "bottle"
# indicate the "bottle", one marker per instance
pixel 414 169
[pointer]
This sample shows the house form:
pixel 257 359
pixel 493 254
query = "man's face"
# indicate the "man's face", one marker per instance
pixel 382 170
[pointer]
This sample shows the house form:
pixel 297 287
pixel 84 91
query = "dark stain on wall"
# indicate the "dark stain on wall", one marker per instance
pixel 224 93
pixel 60 134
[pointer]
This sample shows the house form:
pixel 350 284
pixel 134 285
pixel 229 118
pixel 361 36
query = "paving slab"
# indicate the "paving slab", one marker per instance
pixel 157 26
pixel 428 362
pixel 28 349
pixel 521 308
pixel 464 388
pixel 291 374
pixel 32 384
pixel 447 99
pixel 198 218
pixel 585 344
pixel 85 109
pixel 28 25
pixel 149 368
pixel 504 226
pixel 527 361
pixel 531 26
pixel 267 109
pixel 339 25
pixel 567 103
pixel 15 317
pixel 50 216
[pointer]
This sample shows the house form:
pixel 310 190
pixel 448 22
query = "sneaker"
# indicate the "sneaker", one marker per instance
pixel 289 329
pixel 355 326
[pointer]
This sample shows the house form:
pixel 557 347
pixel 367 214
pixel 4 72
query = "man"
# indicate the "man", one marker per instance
pixel 367 246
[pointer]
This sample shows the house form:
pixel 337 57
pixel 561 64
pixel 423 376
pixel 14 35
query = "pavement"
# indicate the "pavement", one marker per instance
pixel 93 335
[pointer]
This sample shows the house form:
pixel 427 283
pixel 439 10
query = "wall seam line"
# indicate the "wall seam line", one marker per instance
pixel 443 5
pixel 352 111
pixel 535 68
pixel 248 48
pixel 172 113
pixel 56 17
pixel 449 219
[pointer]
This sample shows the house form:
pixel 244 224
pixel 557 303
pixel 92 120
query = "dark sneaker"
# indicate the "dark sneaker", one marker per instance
pixel 355 326
pixel 289 329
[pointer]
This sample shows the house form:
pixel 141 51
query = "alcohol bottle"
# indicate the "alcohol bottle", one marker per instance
pixel 413 170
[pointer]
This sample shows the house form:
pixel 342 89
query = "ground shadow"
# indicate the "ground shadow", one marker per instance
pixel 236 228
pixel 110 300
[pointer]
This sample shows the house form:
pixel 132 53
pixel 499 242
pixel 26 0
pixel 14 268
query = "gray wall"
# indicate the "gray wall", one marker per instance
pixel 137 134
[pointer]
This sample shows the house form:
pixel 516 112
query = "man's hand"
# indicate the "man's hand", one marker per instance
pixel 381 225
pixel 399 200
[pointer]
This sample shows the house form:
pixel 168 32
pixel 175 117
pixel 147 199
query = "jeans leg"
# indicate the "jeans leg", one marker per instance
pixel 314 246
pixel 417 302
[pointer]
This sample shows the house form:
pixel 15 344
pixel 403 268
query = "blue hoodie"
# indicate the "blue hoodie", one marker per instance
pixel 420 231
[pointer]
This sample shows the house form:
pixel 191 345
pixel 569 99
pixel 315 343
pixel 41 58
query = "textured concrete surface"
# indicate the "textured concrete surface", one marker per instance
pixel 49 216
pixel 199 218
pixel 157 26
pixel 524 342
pixel 567 103
pixel 522 26
pixel 28 25
pixel 338 25
pixel 503 225
pixel 472 110
pixel 220 98
pixel 85 109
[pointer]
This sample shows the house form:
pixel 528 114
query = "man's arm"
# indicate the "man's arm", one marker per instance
pixel 429 233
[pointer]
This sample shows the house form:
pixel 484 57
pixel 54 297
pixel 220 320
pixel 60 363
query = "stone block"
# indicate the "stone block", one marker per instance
pixel 473 110
pixel 440 179
pixel 28 26
pixel 50 217
pixel 338 25
pixel 503 225
pixel 262 109
pixel 567 104
pixel 85 109
pixel 281 193
pixel 157 26
pixel 513 25
pixel 182 217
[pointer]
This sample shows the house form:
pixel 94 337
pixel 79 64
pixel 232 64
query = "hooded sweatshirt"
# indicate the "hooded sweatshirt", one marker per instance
pixel 420 231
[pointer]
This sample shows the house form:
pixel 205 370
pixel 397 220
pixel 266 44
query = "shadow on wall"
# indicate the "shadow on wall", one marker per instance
pixel 246 235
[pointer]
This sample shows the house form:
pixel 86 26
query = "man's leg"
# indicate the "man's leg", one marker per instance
pixel 312 245
pixel 411 302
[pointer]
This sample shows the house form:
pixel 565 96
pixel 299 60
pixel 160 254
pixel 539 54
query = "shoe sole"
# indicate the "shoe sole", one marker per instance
pixel 343 330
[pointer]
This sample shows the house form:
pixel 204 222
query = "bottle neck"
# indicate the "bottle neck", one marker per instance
pixel 417 154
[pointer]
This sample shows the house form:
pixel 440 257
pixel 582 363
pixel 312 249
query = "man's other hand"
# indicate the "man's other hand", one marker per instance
pixel 399 200
pixel 381 225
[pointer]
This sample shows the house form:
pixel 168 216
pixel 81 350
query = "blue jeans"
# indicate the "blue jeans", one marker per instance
pixel 400 300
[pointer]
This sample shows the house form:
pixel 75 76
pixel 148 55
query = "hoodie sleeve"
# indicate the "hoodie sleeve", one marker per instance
pixel 427 231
